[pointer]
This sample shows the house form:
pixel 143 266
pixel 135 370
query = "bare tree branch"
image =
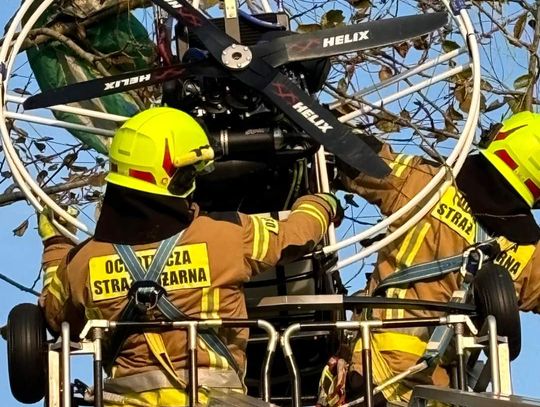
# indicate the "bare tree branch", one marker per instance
pixel 120 7
pixel 18 285
pixel 12 197
pixel 87 56
pixel 533 62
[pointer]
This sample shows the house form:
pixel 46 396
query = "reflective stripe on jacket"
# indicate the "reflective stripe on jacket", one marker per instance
pixel 446 231
pixel 203 277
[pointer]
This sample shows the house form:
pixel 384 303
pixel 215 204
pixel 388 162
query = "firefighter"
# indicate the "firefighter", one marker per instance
pixel 494 192
pixel 149 226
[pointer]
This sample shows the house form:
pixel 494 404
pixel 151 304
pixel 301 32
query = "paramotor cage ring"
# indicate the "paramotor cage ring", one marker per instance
pixel 13 42
pixel 441 180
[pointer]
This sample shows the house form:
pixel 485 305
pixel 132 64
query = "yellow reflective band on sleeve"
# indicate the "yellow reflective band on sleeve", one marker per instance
pixel 187 267
pixel 514 257
pixel 453 210
pixel 400 164
pixel 396 341
pixel 269 224
pixel 404 258
pixel 261 239
pixel 256 236
pixel 411 244
pixel 314 212
pixel 56 289
pixel 48 275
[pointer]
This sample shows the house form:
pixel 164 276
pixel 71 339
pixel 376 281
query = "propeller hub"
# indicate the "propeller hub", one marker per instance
pixel 236 56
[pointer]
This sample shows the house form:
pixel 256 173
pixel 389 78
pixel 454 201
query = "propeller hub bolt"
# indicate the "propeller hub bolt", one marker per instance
pixel 235 57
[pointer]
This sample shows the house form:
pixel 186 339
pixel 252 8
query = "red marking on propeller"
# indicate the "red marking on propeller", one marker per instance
pixel 172 71
pixel 283 92
pixel 302 47
pixel 190 18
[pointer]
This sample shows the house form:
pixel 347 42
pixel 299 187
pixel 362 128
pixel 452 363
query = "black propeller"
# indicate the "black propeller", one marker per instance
pixel 109 85
pixel 257 67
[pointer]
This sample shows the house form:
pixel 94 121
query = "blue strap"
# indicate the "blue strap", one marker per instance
pixel 481 234
pixel 162 255
pixel 432 269
pixel 209 337
pixel 423 271
pixel 134 267
pixel 167 308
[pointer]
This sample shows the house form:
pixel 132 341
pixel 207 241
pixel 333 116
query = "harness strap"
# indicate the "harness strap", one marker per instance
pixel 137 273
pixel 428 270
pixel 135 268
pixel 209 336
pixel 158 349
pixel 442 335
pixel 167 308
pixel 423 271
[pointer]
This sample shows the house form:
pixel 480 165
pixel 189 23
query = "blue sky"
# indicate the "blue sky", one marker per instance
pixel 21 261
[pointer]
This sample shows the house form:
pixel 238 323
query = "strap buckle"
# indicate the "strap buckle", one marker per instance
pixel 473 259
pixel 146 294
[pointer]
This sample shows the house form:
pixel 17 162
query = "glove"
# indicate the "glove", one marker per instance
pixel 46 228
pixel 337 213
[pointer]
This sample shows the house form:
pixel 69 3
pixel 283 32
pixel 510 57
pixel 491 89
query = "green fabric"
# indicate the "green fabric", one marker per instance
pixel 54 65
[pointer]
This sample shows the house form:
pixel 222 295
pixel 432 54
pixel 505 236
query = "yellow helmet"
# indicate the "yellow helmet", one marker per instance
pixel 515 153
pixel 159 151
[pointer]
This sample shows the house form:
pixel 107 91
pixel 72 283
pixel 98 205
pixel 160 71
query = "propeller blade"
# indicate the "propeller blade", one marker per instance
pixel 351 38
pixel 213 39
pixel 323 127
pixel 119 83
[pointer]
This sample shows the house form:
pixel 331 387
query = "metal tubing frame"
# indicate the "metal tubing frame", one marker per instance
pixel 461 371
pixel 399 77
pixel 192 327
pixel 66 366
pixel 19 100
pixel 192 361
pixel 367 366
pixel 12 44
pixel 365 327
pixel 499 377
pixel 97 335
pixel 494 354
pixel 420 85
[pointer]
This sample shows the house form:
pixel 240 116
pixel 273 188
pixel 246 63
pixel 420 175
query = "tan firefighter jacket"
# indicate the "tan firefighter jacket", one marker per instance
pixel 203 277
pixel 448 230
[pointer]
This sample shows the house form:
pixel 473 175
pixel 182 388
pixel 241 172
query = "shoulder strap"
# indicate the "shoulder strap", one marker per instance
pixel 134 267
pixel 164 304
